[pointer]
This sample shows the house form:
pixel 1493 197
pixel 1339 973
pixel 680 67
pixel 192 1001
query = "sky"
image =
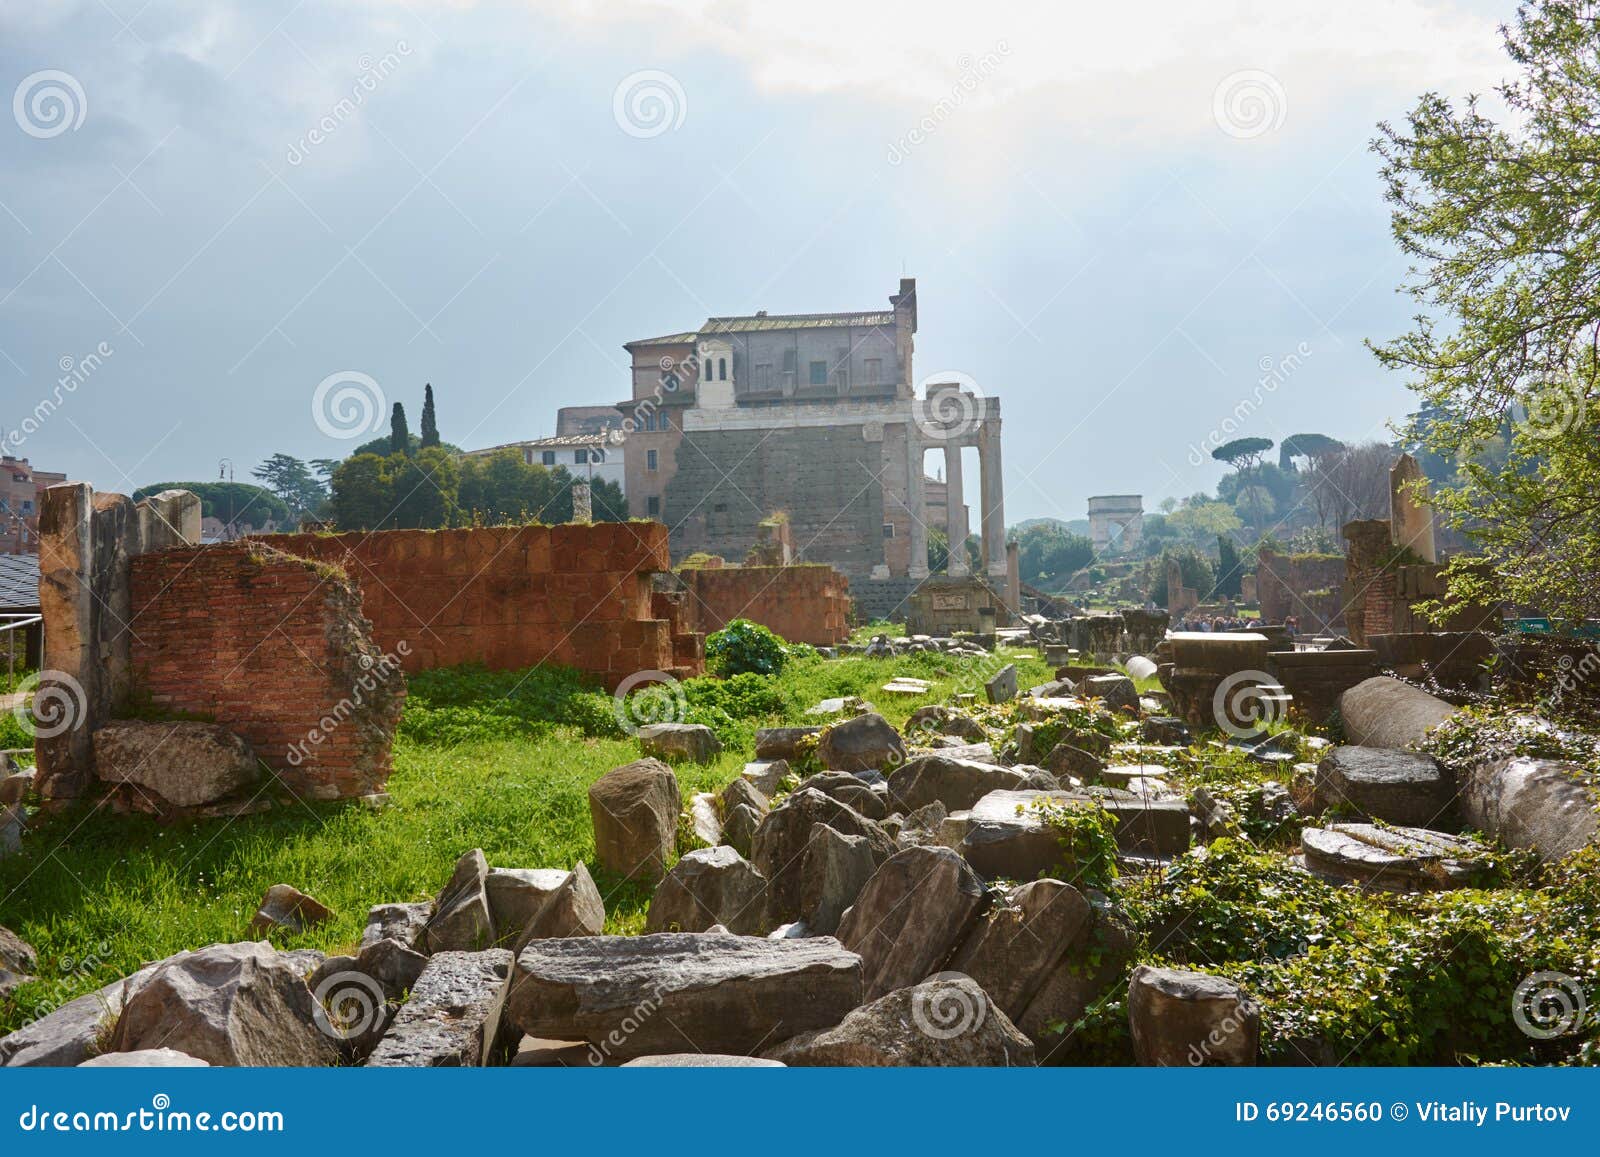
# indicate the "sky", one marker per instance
pixel 1144 228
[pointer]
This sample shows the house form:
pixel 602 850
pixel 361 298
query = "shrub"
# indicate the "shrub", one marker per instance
pixel 743 647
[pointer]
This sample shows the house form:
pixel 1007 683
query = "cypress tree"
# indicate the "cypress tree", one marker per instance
pixel 399 435
pixel 430 425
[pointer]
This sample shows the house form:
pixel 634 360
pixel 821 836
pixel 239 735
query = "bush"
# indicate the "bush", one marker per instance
pixel 743 647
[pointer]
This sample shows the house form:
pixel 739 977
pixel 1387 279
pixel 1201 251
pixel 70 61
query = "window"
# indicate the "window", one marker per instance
pixel 650 420
pixel 548 458
pixel 653 504
pixel 763 376
pixel 874 371
pixel 819 373
pixel 580 456
pixel 888 530
pixel 666 421
pixel 722 369
pixel 720 508
pixel 650 462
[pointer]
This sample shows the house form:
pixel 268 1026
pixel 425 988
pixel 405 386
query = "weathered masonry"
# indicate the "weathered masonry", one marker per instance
pixel 815 416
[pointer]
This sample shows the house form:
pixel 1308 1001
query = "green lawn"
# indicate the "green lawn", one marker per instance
pixel 98 894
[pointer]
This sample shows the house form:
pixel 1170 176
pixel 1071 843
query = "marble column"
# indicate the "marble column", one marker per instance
pixel 955 510
pixel 916 504
pixel 994 501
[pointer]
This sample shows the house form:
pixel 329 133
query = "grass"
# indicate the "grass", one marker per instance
pixel 99 894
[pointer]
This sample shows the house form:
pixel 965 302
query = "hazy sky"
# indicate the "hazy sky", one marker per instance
pixel 1116 214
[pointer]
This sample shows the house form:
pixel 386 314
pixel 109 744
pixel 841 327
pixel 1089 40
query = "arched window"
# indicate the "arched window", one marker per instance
pixel 722 369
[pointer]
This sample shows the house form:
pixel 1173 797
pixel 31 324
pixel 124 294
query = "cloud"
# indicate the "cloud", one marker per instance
pixel 1097 70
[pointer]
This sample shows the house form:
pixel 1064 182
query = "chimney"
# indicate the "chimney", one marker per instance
pixel 906 299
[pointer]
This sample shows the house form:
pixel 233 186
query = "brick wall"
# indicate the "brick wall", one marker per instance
pixel 511 597
pixel 804 604
pixel 276 649
pixel 1308 586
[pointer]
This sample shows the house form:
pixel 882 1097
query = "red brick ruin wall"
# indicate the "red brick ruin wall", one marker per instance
pixel 511 597
pixel 803 604
pixel 275 649
pixel 1285 584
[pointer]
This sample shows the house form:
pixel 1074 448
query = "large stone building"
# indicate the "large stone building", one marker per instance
pixel 815 416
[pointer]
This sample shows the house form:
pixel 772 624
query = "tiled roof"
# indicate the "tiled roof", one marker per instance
pixel 560 441
pixel 669 339
pixel 19 582
pixel 798 321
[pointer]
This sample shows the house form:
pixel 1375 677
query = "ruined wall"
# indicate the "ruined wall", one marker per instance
pixel 825 478
pixel 1308 586
pixel 803 604
pixel 274 648
pixel 86 544
pixel 1384 582
pixel 510 597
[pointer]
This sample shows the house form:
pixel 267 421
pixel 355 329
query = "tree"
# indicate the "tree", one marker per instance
pixel 1230 570
pixel 363 494
pixel 1347 483
pixel 425 489
pixel 1304 446
pixel 399 436
pixel 1195 567
pixel 430 425
pixel 1049 553
pixel 292 481
pixel 1200 520
pixel 1244 455
pixel 1499 222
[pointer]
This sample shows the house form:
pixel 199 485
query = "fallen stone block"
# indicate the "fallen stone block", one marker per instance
pixel 700 1061
pixel 864 743
pixel 1400 787
pixel 77 1030
pixel 145 1059
pixel 1117 692
pixel 765 775
pixel 1013 951
pixel 781 743
pixel 670 741
pixel 403 922
pixel 835 869
pixel 910 916
pixel 634 809
pixel 779 847
pixel 186 764
pixel 575 908
pixel 516 896
pixel 17 961
pixel 1005 836
pixel 285 906
pixel 1002 686
pixel 228 1004
pixel 945 1020
pixel 1191 1018
pixel 1089 973
pixel 710 886
pixel 454 1018
pixel 956 783
pixel 461 920
pixel 1393 859
pixel 633 996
